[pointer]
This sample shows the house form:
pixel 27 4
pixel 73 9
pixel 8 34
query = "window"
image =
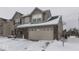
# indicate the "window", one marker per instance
pixel 17 21
pixel 38 20
pixel 34 20
pixel 22 21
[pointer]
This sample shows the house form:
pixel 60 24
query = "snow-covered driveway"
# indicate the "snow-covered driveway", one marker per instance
pixel 9 44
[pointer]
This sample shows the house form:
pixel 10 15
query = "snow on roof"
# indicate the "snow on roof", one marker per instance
pixel 51 22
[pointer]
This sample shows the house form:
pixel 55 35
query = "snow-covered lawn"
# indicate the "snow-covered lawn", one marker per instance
pixel 9 44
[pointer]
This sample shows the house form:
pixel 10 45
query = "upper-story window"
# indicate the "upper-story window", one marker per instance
pixel 37 18
pixel 17 21
pixel 22 21
pixel 34 21
pixel 25 20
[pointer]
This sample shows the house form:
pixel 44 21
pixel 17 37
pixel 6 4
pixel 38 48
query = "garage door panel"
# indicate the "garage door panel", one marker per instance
pixel 41 35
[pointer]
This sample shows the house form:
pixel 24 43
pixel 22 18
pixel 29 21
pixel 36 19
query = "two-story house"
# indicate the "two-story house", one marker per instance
pixel 14 22
pixel 39 25
pixel 4 27
pixel 8 26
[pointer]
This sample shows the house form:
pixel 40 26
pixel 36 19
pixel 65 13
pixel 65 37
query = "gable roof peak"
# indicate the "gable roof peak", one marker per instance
pixel 36 8
pixel 18 13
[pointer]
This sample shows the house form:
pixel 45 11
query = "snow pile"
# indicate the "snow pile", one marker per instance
pixel 71 45
pixel 72 36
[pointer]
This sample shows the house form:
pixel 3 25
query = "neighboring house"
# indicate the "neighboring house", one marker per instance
pixel 4 27
pixel 39 25
pixel 8 27
pixel 15 21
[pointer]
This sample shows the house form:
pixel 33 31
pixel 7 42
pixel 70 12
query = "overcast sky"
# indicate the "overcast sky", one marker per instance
pixel 70 14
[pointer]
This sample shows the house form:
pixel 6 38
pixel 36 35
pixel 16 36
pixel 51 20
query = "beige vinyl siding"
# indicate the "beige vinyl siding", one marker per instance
pixel 26 20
